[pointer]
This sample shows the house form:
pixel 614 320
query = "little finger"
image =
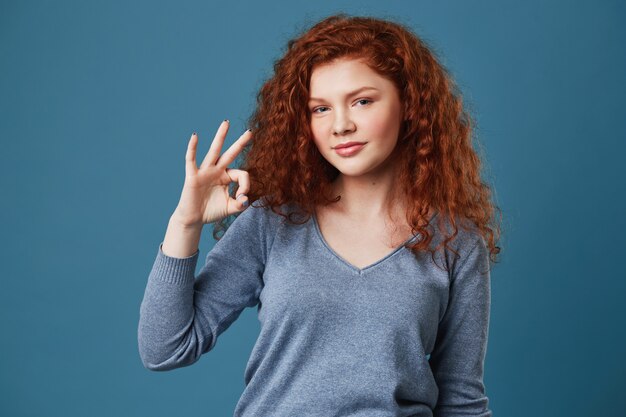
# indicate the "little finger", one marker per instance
pixel 190 156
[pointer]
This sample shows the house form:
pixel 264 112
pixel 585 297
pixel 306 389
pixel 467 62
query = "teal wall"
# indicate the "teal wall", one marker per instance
pixel 97 103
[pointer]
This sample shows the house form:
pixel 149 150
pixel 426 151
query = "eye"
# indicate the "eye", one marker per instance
pixel 367 100
pixel 315 110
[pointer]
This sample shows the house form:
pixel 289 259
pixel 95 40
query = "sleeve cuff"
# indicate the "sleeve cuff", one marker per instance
pixel 179 271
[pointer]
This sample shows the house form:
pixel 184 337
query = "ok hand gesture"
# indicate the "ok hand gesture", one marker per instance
pixel 205 198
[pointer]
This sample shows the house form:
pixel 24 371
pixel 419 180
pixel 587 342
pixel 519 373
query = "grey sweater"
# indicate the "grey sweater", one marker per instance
pixel 400 337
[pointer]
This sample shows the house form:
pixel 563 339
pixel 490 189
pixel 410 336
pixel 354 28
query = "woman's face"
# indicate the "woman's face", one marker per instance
pixel 350 102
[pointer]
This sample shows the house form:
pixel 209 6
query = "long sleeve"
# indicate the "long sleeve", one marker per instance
pixel 181 316
pixel 457 361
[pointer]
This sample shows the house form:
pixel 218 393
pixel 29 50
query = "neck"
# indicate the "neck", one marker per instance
pixel 370 196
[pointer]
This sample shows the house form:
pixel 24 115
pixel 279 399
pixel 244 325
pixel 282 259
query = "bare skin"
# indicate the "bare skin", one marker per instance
pixel 360 242
pixel 349 102
pixel 204 198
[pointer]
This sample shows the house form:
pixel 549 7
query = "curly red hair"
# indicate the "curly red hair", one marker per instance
pixel 439 170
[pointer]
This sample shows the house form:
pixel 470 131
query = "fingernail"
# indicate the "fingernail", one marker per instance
pixel 226 120
pixel 245 203
pixel 194 134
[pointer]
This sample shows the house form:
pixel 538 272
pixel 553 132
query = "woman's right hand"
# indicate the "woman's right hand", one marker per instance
pixel 205 198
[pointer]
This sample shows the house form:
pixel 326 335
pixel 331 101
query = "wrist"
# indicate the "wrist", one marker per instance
pixel 183 223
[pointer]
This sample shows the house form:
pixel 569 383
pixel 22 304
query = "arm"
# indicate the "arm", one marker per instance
pixel 457 361
pixel 181 316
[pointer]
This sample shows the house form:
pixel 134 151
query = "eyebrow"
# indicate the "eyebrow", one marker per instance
pixel 351 93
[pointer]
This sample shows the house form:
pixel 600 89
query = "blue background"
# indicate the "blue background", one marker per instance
pixel 97 103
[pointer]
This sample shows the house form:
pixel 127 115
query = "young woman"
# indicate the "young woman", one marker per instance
pixel 364 235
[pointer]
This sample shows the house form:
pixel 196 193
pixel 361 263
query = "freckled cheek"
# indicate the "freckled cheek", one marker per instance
pixel 315 130
pixel 377 127
pixel 319 140
pixel 321 134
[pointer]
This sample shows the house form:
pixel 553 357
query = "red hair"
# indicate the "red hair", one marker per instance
pixel 438 169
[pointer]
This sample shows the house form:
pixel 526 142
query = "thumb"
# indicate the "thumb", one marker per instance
pixel 237 205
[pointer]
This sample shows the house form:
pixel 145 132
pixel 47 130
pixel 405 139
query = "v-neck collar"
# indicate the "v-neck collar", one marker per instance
pixel 351 266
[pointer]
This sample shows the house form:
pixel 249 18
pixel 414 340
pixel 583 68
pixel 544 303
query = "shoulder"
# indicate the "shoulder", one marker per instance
pixel 468 245
pixel 262 210
pixel 252 231
pixel 473 253
pixel 253 217
pixel 259 219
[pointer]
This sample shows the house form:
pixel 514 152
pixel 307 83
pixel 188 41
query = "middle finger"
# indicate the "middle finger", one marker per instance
pixel 234 149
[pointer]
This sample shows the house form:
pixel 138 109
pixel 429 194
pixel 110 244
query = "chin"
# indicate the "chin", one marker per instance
pixel 355 171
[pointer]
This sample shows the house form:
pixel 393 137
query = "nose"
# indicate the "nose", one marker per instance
pixel 343 124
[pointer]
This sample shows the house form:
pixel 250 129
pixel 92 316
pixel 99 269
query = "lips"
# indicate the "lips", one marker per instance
pixel 349 149
pixel 348 144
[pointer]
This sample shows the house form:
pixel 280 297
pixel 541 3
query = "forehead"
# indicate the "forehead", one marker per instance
pixel 344 74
